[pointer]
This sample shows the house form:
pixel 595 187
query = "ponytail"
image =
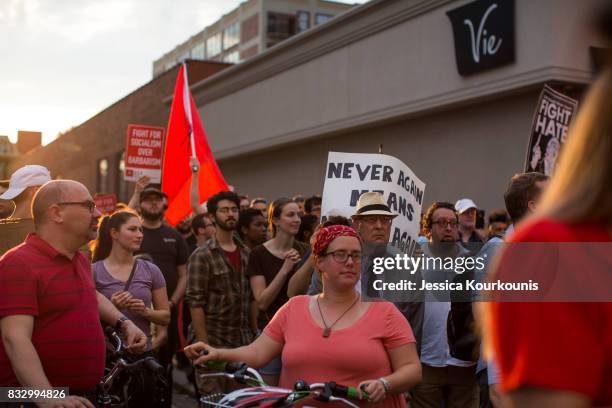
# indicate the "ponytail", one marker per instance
pixel 101 247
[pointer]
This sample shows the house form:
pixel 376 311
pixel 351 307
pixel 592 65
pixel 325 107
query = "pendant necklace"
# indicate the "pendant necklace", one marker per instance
pixel 327 329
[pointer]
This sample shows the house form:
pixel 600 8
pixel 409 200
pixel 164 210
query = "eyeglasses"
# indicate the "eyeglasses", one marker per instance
pixel 446 223
pixel 226 210
pixel 209 225
pixel 372 219
pixel 342 256
pixel 89 204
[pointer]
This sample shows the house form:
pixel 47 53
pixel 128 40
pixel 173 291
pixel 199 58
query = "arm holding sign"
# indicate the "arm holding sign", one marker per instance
pixel 142 182
pixel 194 164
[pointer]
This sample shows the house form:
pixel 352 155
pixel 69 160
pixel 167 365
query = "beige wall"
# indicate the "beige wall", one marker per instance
pixel 331 80
pixel 470 151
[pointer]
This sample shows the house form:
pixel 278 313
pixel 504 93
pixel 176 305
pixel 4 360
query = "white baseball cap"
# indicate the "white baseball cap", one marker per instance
pixel 464 204
pixel 27 176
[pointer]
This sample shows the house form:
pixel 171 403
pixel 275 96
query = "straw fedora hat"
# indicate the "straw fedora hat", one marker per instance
pixel 372 203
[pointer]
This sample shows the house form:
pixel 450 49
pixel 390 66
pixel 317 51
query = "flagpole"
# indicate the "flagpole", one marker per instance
pixel 187 107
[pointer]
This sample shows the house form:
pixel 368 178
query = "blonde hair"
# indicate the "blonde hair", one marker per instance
pixel 581 187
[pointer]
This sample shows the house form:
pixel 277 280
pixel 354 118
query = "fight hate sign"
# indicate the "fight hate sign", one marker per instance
pixel 348 175
pixel 551 122
pixel 144 152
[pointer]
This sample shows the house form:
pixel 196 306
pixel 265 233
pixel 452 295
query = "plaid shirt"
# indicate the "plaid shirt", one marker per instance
pixel 224 293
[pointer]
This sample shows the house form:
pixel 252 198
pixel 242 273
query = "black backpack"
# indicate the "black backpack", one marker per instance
pixel 463 340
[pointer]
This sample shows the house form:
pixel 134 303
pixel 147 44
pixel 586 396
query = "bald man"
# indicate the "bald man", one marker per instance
pixel 50 310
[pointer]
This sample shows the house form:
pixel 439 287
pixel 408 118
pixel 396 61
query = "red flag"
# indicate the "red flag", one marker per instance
pixel 186 138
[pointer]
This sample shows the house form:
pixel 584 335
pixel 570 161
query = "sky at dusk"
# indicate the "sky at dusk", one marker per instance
pixel 66 60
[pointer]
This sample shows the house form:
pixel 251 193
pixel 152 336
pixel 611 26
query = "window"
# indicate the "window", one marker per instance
pixel 281 25
pixel 231 36
pixel 232 57
pixel 303 21
pixel 249 28
pixel 320 18
pixel 213 46
pixel 249 52
pixel 103 176
pixel 122 185
pixel 197 52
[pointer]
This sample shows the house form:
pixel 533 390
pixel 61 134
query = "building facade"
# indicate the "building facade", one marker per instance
pixel 249 29
pixel 27 141
pixel 387 73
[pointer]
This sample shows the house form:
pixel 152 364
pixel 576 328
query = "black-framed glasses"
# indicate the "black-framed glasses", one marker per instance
pixel 89 204
pixel 446 223
pixel 342 256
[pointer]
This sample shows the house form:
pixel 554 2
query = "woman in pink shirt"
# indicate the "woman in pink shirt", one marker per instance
pixel 334 336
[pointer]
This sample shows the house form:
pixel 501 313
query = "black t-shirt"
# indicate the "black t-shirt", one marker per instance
pixel 192 243
pixel 168 249
pixel 262 262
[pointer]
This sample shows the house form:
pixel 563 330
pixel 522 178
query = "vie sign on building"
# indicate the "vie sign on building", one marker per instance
pixel 484 35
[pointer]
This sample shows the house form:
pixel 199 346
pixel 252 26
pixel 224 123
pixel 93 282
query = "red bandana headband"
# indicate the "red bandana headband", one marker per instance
pixel 326 235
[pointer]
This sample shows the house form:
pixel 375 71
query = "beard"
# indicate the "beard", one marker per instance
pixel 150 216
pixel 225 225
pixel 183 229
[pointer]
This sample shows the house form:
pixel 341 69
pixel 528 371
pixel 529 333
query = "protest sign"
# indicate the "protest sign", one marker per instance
pixel 551 121
pixel 348 175
pixel 105 203
pixel 144 152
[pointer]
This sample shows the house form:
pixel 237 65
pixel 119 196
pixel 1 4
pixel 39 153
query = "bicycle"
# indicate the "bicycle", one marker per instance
pixel 261 395
pixel 125 376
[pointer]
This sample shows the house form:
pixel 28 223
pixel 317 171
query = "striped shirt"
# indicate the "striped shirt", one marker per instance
pixel 224 293
pixel 59 292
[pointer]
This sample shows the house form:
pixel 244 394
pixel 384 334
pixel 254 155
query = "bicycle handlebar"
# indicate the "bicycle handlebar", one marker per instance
pixel 330 391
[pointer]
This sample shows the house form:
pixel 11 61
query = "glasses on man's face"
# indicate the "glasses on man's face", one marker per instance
pixel 373 219
pixel 89 204
pixel 211 225
pixel 342 256
pixel 227 210
pixel 446 223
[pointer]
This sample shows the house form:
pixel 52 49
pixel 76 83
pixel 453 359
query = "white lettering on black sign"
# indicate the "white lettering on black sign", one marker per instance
pixel 483 32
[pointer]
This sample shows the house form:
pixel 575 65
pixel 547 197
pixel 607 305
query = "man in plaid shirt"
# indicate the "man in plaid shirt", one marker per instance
pixel 218 290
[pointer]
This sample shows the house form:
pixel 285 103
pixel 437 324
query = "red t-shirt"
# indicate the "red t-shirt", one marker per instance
pixel 348 356
pixel 234 259
pixel 60 293
pixel 560 346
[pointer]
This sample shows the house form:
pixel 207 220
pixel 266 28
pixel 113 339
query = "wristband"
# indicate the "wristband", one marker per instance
pixel 385 384
pixel 120 323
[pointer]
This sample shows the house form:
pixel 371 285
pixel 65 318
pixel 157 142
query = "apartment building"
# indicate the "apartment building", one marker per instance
pixel 249 29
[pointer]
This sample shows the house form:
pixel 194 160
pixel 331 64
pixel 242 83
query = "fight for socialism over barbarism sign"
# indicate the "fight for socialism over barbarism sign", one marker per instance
pixel 348 175
pixel 144 152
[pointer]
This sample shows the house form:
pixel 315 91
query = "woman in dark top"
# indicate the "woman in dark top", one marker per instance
pixel 272 264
